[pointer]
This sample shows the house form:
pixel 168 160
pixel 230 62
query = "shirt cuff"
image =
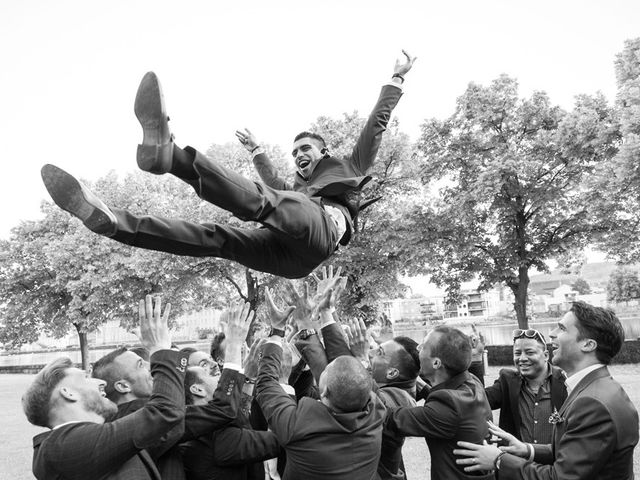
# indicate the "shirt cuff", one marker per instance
pixel 257 151
pixel 394 84
pixel 288 389
pixel 532 452
pixel 275 339
pixel 327 323
pixel 234 366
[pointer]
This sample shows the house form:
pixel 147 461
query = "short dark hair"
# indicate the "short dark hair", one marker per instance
pixel 142 352
pixel 603 326
pixel 409 364
pixel 348 384
pixel 191 377
pixel 312 135
pixel 36 401
pixel 453 348
pixel 106 369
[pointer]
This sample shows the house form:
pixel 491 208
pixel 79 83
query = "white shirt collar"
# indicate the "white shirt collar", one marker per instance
pixel 67 423
pixel 574 379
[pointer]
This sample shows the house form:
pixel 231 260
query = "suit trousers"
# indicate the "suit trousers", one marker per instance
pixel 296 236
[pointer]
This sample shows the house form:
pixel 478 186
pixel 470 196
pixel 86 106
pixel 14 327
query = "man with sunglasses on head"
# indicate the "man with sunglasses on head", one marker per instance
pixel 530 394
pixel 595 430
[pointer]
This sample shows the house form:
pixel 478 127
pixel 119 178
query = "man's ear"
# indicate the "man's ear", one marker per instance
pixel 590 345
pixel 122 386
pixel 437 363
pixel 69 394
pixel 392 373
pixel 197 390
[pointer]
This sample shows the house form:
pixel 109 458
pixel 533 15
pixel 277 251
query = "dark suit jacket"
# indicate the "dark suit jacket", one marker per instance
pixel 339 181
pixel 320 444
pixel 455 410
pixel 594 439
pixel 505 394
pixel 114 450
pixel 391 464
pixel 164 453
pixel 235 452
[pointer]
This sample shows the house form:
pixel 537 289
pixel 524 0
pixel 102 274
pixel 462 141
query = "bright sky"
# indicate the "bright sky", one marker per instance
pixel 70 69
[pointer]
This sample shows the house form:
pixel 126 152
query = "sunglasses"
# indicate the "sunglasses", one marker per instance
pixel 529 333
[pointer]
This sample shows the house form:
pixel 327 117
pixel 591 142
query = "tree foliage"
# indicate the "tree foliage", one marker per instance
pixel 620 180
pixel 55 274
pixel 581 286
pixel 623 285
pixel 512 176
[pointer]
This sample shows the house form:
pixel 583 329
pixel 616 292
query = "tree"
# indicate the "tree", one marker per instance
pixel 55 274
pixel 623 285
pixel 620 180
pixel 513 178
pixel 581 286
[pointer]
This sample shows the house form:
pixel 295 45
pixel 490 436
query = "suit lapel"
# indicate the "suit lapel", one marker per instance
pixel 149 464
pixel 582 384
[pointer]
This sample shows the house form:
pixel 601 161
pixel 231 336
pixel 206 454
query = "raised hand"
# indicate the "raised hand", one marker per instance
pixel 277 317
pixel 403 68
pixel 247 139
pixel 252 360
pixel 304 305
pixel 235 321
pixel 154 330
pixel 357 336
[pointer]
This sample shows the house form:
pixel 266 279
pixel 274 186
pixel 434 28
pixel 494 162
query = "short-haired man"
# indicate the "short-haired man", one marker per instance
pixel 74 406
pixel 338 437
pixel 305 222
pixel 529 395
pixel 129 385
pixel 596 429
pixel 456 407
pixel 233 452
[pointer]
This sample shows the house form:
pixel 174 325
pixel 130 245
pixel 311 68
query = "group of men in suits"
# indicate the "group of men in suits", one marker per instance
pixel 183 421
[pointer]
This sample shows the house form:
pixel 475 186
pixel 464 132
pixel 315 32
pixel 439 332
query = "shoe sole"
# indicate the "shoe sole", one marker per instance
pixel 151 113
pixel 68 194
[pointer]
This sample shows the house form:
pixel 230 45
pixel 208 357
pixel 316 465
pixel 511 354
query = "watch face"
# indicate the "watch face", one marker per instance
pixel 306 333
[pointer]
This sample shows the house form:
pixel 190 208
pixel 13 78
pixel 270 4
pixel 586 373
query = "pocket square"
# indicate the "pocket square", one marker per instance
pixel 555 417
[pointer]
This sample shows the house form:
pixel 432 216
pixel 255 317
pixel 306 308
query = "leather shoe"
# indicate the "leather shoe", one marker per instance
pixel 72 196
pixel 155 154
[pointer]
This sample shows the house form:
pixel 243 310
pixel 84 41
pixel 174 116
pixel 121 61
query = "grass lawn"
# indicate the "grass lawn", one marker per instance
pixel 16 446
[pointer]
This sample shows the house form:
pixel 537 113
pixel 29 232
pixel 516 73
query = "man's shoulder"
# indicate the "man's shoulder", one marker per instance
pixel 508 374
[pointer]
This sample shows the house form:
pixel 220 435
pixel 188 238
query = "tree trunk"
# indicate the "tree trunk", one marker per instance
pixel 84 346
pixel 520 293
pixel 252 298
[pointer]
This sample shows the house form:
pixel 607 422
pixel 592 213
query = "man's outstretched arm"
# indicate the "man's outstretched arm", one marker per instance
pixel 366 148
pixel 261 161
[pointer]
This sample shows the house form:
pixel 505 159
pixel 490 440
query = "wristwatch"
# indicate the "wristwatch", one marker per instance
pixel 277 331
pixel 306 333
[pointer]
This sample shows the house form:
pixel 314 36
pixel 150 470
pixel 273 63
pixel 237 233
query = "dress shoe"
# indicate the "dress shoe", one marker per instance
pixel 156 151
pixel 72 196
